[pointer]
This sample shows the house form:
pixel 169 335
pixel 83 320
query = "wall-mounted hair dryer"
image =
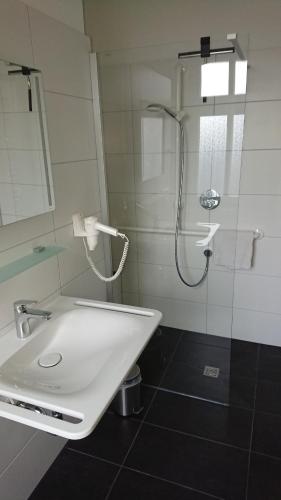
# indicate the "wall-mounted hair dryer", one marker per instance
pixel 88 228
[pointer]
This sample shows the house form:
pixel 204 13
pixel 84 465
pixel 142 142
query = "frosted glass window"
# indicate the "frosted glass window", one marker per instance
pixel 213 133
pixel 214 79
pixel 240 77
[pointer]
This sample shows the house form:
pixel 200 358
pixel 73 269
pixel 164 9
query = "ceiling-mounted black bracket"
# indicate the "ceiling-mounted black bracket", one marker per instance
pixel 26 71
pixel 205 44
pixel 205 50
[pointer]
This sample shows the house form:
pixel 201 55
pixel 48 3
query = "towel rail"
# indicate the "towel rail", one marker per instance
pixel 258 234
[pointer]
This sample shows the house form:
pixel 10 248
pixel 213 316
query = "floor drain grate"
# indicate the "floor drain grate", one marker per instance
pixel 211 371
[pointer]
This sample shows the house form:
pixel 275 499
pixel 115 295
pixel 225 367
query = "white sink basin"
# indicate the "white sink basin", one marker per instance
pixel 91 345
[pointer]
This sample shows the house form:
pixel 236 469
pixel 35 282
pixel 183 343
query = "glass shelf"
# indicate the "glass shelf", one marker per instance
pixel 20 265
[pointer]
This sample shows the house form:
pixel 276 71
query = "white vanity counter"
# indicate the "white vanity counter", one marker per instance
pixel 94 345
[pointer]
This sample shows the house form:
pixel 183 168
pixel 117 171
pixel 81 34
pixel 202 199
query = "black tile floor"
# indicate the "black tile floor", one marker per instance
pixel 198 437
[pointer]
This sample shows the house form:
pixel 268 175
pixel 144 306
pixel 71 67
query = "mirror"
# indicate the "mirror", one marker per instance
pixel 26 186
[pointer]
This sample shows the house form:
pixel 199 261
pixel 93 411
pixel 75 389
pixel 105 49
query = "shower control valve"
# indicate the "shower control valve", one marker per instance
pixel 210 199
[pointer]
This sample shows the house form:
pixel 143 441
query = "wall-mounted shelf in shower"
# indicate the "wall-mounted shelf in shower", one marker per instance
pixel 20 265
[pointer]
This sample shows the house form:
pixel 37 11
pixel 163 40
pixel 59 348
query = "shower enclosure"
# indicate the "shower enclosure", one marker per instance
pixel 142 149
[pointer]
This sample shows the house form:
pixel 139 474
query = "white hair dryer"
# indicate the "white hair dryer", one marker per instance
pixel 88 228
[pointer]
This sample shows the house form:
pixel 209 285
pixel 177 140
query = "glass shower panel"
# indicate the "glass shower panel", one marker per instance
pixel 142 159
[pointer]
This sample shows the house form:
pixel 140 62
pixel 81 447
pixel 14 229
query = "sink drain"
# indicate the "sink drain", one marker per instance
pixel 49 360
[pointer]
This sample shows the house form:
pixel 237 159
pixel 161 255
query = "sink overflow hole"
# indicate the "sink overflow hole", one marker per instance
pixel 211 371
pixel 49 360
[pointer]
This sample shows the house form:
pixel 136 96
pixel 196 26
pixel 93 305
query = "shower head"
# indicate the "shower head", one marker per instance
pixel 155 107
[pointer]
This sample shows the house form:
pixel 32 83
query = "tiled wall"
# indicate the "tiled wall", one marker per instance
pixel 246 171
pixel 62 53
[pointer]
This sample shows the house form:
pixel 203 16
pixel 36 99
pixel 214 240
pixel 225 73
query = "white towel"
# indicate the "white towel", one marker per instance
pixel 234 249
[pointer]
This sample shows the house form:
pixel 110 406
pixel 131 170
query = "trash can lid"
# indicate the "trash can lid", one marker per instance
pixel 133 373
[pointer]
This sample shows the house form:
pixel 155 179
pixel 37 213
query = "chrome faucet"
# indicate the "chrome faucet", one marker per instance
pixel 23 314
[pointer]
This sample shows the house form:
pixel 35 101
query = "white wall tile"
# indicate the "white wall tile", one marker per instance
pixel 192 213
pixel 51 37
pixel 18 435
pixel 3 138
pixel 115 87
pixel 122 209
pixel 155 248
pixel 258 293
pixel 178 313
pixel 22 131
pixel 130 280
pixel 220 288
pixel 32 464
pixel 264 75
pixel 117 245
pixel 197 173
pixel 153 81
pixel 261 172
pixel 117 292
pixel 71 128
pixel 5 173
pixel 72 261
pixel 76 190
pixel 87 286
pixel 160 249
pixel 226 167
pixel 267 39
pixel 226 214
pixel 7 200
pixel 267 260
pixel 117 128
pixel 27 167
pixel 120 173
pixel 163 281
pixel 154 133
pixel 219 320
pixel 155 173
pixel 37 282
pixel 69 12
pixel 131 299
pixel 198 124
pixel 29 200
pixel 260 212
pixel 155 210
pixel 255 326
pixel 15 39
pixel 262 127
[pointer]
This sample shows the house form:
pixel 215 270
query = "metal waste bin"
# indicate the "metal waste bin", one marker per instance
pixel 128 399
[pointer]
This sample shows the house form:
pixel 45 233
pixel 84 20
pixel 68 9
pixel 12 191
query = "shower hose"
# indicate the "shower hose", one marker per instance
pixel 207 252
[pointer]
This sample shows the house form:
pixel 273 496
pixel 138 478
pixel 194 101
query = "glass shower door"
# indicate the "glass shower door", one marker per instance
pixel 142 159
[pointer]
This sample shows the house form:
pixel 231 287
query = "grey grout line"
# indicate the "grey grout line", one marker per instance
pixel 125 467
pixel 130 447
pixel 213 104
pixel 273 457
pixel 66 94
pixel 66 162
pixel 140 426
pixel 189 488
pixel 252 429
pixel 195 436
pixel 85 454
